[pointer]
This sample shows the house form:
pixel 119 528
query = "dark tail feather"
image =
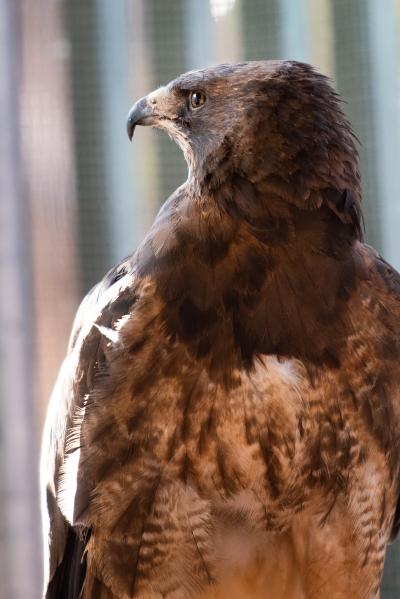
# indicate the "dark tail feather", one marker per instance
pixel 396 522
pixel 69 576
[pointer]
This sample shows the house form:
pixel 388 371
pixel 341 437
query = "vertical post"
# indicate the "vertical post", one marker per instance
pixel 213 32
pixel 142 155
pixel 385 90
pixel 20 570
pixel 92 209
pixel 295 30
pixel 227 31
pixel 165 21
pixel 352 59
pixel 125 216
pixel 199 38
pixel 261 38
pixel 46 148
pixel 322 38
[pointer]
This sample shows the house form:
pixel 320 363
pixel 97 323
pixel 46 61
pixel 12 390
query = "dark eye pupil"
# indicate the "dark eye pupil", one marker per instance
pixel 197 99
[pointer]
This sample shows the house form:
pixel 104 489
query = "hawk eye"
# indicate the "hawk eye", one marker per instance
pixel 197 99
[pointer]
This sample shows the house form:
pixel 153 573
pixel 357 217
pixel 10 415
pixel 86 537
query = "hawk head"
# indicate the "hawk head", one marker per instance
pixel 278 124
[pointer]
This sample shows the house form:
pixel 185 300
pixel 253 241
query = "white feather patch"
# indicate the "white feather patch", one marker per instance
pixel 110 334
pixel 68 485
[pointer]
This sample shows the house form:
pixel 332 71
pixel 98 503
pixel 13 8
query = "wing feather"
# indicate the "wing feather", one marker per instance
pixel 64 496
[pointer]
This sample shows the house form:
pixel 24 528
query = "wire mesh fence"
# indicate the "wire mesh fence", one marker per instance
pixel 91 195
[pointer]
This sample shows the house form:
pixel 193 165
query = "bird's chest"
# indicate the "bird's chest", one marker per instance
pixel 260 446
pixel 275 437
pixel 246 437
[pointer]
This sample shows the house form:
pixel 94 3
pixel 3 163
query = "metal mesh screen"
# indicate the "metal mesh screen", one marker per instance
pixel 92 195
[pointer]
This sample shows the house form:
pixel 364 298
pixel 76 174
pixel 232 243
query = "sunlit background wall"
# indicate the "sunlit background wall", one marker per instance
pixel 75 196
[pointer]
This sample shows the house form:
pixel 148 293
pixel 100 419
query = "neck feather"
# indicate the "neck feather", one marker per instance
pixel 242 274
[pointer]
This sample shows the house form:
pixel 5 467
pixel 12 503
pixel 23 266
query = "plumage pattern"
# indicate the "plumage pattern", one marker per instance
pixel 226 422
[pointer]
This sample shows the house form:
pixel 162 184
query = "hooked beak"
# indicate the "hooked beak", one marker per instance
pixel 141 113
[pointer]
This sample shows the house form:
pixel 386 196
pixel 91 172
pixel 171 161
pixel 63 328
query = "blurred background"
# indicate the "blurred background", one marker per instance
pixel 75 196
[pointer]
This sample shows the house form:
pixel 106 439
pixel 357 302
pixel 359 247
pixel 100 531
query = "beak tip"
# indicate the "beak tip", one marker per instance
pixel 141 113
pixel 130 128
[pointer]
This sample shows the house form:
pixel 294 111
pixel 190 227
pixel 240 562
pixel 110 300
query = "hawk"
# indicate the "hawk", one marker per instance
pixel 226 422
